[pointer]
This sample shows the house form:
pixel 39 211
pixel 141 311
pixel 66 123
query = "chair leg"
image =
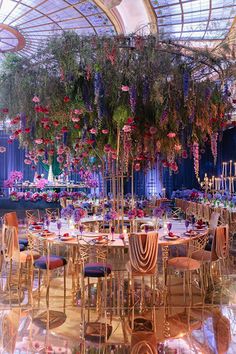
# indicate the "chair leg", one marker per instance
pixel 184 286
pixel 39 286
pixel 64 304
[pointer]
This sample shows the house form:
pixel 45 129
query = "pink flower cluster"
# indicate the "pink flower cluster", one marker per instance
pixel 15 176
pixel 135 213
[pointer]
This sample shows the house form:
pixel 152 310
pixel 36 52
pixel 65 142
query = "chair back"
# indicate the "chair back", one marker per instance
pixel 52 213
pixel 149 227
pixel 143 252
pixel 213 223
pixel 10 243
pixel 32 216
pixel 11 219
pixel 220 246
pixel 63 202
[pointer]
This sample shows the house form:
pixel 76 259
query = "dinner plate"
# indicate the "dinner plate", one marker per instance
pixel 171 238
pixel 66 238
pixel 190 233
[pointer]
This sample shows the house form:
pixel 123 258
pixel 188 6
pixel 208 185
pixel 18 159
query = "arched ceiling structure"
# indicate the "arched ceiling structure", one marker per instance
pixel 26 24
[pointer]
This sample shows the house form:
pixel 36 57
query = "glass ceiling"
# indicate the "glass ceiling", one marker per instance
pixel 36 20
pixel 25 24
pixel 195 20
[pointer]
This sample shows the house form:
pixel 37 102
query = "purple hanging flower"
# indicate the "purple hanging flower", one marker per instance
pixel 186 83
pixel 67 212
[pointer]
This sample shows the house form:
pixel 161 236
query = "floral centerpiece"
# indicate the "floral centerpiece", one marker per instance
pixel 15 177
pixel 77 215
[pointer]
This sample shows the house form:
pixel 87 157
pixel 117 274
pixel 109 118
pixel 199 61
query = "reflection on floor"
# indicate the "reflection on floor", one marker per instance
pixel 179 329
pixel 171 326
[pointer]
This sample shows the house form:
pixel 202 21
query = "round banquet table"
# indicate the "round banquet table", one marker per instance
pixel 178 229
pixel 116 246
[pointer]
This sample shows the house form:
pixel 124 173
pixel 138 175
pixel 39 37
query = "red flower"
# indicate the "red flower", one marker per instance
pixel 76 126
pixel 66 99
pixel 130 120
pixel 90 141
pixel 64 129
pixel 55 123
pixel 47 127
pixel 51 152
pixel 27 130
pixel 5 110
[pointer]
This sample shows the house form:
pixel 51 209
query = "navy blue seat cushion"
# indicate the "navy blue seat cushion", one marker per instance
pixel 54 262
pixel 23 241
pixel 22 247
pixel 97 270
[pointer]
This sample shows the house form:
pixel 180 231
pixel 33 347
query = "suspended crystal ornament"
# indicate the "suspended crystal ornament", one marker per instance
pixel 50 174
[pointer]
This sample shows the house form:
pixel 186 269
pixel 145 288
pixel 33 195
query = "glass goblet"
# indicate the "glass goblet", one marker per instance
pixel 81 229
pixel 59 227
pixel 112 233
pixel 187 224
pixel 169 226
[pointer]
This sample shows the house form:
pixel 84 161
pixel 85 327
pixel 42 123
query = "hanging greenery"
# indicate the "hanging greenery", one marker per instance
pixel 74 96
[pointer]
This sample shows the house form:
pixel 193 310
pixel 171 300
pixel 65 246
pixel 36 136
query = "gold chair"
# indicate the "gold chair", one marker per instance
pixel 101 271
pixel 11 252
pixel 143 252
pixel 52 213
pixel 188 265
pixel 219 252
pixel 11 219
pixel 49 263
pixel 32 216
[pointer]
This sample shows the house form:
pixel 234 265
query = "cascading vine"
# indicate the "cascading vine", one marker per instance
pixel 214 139
pixel 196 158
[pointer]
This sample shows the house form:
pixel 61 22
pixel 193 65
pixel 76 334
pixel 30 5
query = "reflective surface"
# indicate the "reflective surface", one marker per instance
pixel 171 326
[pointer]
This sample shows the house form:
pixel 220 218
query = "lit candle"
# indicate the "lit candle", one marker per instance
pixel 230 167
pixel 235 168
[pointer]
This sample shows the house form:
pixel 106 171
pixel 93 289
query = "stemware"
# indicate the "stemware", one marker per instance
pixel 112 233
pixel 169 226
pixel 47 222
pixel 81 229
pixel 59 227
pixel 187 224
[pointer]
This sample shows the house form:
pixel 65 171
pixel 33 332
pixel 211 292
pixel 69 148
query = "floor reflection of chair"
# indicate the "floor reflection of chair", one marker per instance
pixel 143 252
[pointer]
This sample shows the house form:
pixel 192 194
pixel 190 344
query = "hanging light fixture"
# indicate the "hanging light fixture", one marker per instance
pixel 111 3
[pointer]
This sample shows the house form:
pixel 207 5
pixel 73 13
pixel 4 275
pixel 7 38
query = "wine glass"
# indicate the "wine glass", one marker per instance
pixel 112 233
pixel 81 229
pixel 187 224
pixel 193 220
pixel 47 222
pixel 59 227
pixel 169 226
pixel 146 229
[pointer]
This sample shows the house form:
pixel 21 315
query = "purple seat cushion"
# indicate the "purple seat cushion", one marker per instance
pixel 23 241
pixel 54 262
pixel 97 270
pixel 22 247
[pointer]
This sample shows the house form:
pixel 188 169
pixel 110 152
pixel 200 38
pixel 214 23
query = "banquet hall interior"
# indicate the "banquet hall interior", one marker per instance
pixel 118 176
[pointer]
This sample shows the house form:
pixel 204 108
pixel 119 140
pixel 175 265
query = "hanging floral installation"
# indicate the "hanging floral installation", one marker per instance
pixel 95 101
